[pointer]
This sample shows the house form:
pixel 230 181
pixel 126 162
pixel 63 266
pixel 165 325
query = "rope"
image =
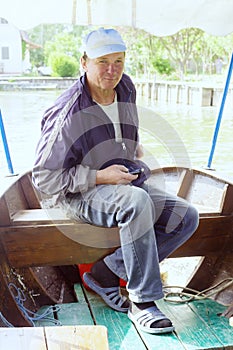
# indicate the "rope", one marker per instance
pixel 31 316
pixel 4 321
pixel 188 294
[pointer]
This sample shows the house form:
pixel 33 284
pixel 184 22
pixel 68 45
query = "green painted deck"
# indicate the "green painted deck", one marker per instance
pixel 197 324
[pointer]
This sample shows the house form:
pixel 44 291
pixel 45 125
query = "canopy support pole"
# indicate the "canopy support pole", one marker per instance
pixel 5 144
pixel 217 126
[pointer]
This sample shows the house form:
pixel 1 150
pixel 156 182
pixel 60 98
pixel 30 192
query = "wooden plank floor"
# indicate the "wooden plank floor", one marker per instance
pixel 198 324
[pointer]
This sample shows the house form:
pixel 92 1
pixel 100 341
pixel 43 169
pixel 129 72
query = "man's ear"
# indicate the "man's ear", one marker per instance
pixel 83 64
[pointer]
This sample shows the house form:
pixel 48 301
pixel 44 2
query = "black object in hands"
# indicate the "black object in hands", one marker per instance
pixel 136 171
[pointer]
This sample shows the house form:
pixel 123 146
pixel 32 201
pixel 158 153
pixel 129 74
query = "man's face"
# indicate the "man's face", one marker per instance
pixel 105 72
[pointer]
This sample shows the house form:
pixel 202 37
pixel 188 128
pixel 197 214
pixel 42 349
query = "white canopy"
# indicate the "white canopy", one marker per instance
pixel 159 17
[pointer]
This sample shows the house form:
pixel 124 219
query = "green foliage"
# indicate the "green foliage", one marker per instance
pixel 138 50
pixel 180 47
pixel 63 65
pixel 145 54
pixel 23 48
pixel 60 38
pixel 63 43
pixel 190 51
pixel 37 57
pixel 163 66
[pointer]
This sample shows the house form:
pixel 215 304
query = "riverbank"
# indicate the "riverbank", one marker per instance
pixel 190 93
pixel 34 83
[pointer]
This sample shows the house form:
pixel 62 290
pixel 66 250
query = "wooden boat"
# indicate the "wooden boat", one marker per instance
pixel 41 247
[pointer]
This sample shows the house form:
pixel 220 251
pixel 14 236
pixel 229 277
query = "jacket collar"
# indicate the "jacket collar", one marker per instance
pixel 86 100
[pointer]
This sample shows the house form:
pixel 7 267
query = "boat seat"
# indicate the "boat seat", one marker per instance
pixel 39 216
pixel 57 215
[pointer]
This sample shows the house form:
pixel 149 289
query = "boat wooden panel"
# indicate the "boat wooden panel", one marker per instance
pixel 48 284
pixel 186 179
pixel 15 197
pixel 20 195
pixel 202 278
pixel 9 308
pixel 212 237
pixel 29 192
pixel 5 219
pixel 57 245
pixel 68 243
pixel 203 189
pixel 227 200
pixel 82 243
pixel 34 292
pixel 206 192
pixel 214 270
pixel 43 338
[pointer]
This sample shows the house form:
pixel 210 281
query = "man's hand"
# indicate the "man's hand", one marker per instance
pixel 114 175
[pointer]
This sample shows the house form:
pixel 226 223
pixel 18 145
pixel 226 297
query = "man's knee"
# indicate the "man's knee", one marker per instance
pixel 137 198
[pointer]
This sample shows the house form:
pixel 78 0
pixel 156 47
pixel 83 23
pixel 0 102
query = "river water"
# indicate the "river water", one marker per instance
pixel 175 134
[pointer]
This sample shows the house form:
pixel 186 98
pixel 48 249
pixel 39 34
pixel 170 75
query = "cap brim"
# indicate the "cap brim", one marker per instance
pixel 105 50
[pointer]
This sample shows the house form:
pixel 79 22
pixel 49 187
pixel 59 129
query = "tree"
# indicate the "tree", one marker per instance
pixel 163 65
pixel 180 47
pixel 63 65
pixel 63 43
pixel 189 50
pixel 55 37
pixel 213 49
pixel 141 47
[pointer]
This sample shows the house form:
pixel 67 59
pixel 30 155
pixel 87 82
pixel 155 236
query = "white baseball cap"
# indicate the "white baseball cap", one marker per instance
pixel 103 42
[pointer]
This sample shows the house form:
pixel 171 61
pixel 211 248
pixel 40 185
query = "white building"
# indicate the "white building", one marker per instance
pixel 10 48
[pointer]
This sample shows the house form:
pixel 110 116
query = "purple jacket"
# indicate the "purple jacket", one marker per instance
pixel 78 139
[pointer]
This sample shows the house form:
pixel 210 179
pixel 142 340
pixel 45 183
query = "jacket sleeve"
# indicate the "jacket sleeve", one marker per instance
pixel 57 181
pixel 50 174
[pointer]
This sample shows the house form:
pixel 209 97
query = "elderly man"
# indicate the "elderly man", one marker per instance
pixel 88 157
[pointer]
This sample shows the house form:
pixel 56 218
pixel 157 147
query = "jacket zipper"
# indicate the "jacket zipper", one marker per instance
pixel 123 146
